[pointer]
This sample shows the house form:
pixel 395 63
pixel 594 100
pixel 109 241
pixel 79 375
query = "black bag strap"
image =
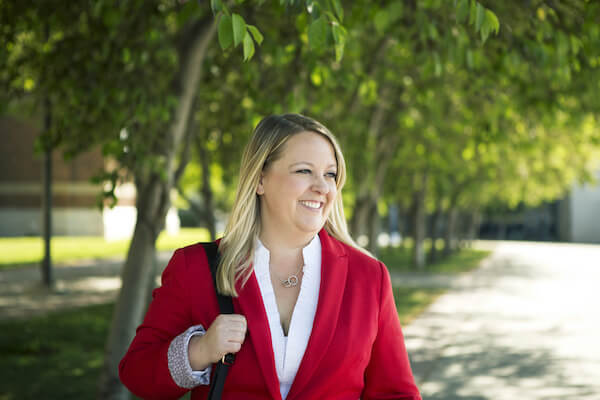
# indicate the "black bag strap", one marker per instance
pixel 225 307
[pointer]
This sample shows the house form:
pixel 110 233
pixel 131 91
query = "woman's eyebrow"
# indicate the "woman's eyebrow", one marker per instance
pixel 311 164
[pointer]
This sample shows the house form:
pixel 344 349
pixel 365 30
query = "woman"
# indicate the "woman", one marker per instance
pixel 315 314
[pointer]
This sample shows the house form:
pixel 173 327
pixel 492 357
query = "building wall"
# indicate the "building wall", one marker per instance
pixel 76 210
pixel 19 164
pixel 564 219
pixel 585 213
pixel 74 198
pixel 65 221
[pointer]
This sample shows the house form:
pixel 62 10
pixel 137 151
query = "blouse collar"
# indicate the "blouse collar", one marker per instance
pixel 311 254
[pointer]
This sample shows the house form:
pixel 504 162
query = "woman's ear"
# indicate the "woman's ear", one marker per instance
pixel 260 190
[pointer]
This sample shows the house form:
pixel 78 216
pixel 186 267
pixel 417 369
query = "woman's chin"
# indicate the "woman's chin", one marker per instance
pixel 312 227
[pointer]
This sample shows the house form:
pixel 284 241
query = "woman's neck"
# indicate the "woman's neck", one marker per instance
pixel 280 243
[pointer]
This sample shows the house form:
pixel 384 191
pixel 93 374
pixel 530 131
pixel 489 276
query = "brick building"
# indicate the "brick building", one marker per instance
pixel 75 200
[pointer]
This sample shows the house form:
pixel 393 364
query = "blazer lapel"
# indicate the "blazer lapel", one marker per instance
pixel 251 306
pixel 334 270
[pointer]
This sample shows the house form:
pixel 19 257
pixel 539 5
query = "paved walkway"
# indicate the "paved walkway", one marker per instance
pixel 526 325
pixel 95 282
pixel 77 284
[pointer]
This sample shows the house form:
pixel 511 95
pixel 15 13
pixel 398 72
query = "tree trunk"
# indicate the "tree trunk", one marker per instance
pixel 374 227
pixel 47 275
pixel 419 225
pixel 360 217
pixel 380 149
pixel 434 232
pixel 450 234
pixel 366 222
pixel 405 223
pixel 207 193
pixel 137 279
pixel 152 205
pixel 463 229
pixel 419 232
pixel 473 229
pixel 209 211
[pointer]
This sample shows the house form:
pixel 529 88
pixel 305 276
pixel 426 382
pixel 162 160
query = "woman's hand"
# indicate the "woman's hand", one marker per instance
pixel 225 335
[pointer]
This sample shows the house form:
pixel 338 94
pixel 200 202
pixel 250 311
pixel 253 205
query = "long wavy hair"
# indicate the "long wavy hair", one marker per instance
pixel 265 147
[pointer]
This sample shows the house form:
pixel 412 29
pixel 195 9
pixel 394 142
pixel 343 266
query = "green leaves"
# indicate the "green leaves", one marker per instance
pixel 386 17
pixel 258 37
pixel 490 23
pixel 339 36
pixel 381 21
pixel 470 91
pixel 317 33
pixel 326 26
pixel 216 6
pixel 325 30
pixel 339 10
pixel 248 47
pixel 239 29
pixel 480 16
pixel 462 10
pixel 484 19
pixel 233 30
pixel 225 32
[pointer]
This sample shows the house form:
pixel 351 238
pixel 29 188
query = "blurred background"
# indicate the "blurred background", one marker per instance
pixel 468 128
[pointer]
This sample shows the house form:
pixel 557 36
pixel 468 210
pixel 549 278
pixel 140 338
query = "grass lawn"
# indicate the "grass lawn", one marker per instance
pixel 21 251
pixel 413 301
pixel 59 356
pixel 398 259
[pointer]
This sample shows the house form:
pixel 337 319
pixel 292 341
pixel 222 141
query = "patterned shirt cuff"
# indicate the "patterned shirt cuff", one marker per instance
pixel 179 363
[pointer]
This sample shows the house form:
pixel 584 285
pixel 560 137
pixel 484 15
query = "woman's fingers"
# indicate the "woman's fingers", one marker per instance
pixel 231 321
pixel 233 347
pixel 236 335
pixel 227 333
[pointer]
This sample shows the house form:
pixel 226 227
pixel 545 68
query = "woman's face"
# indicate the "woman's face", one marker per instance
pixel 297 190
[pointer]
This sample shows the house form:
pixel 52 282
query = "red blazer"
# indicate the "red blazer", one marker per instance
pixel 356 348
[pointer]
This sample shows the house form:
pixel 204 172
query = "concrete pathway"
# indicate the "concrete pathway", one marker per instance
pixel 526 325
pixel 77 284
pixel 89 282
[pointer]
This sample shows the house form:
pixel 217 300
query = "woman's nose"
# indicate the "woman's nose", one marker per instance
pixel 320 185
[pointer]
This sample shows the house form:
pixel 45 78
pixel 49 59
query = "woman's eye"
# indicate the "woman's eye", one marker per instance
pixel 308 171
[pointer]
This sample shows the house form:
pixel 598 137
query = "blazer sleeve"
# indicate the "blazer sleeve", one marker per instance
pixel 388 374
pixel 144 369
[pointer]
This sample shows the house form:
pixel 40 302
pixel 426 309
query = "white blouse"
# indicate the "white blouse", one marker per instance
pixel 289 350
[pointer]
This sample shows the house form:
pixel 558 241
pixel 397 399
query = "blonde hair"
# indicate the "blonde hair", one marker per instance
pixel 265 147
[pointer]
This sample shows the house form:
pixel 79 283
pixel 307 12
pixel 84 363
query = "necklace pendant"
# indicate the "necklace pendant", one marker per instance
pixel 291 281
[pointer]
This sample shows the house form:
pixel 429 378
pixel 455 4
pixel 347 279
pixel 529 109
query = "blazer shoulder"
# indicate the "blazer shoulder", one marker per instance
pixel 355 253
pixel 196 251
pixel 358 259
pixel 193 257
pixel 193 250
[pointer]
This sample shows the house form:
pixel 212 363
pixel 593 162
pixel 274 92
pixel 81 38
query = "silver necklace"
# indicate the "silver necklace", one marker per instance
pixel 292 280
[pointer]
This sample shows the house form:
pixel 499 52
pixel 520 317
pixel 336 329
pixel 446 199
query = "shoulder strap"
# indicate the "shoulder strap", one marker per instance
pixel 225 307
pixel 212 253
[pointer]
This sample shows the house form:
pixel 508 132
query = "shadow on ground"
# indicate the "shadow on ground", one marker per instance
pixel 525 325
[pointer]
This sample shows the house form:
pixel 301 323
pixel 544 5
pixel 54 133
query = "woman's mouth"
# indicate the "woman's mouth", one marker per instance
pixel 313 205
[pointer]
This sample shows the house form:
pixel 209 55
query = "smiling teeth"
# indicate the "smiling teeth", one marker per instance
pixel 311 204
